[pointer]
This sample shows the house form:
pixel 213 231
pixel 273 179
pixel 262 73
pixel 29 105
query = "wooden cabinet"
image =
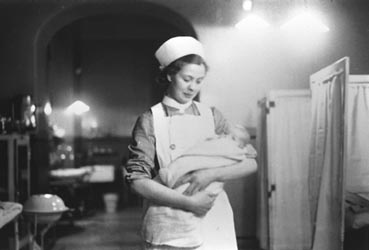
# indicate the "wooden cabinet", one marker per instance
pixel 15 175
pixel 283 170
pixel 15 185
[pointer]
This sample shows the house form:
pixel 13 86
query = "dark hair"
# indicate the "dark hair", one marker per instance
pixel 177 65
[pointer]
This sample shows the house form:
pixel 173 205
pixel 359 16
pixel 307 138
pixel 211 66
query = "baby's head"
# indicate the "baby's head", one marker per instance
pixel 240 135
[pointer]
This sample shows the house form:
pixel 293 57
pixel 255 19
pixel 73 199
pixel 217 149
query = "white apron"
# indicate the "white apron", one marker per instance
pixel 176 134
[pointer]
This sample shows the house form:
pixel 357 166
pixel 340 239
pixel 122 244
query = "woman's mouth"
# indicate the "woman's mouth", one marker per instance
pixel 188 95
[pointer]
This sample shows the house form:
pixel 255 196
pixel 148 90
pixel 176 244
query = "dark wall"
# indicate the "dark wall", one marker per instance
pixel 349 23
pixel 117 81
pixel 18 24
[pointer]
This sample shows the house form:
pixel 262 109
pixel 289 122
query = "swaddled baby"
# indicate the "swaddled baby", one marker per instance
pixel 220 151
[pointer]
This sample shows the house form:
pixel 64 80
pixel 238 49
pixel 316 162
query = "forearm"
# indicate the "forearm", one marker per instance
pixel 235 171
pixel 160 194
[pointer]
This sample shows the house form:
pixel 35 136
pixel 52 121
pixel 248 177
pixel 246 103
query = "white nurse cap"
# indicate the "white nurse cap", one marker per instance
pixel 177 47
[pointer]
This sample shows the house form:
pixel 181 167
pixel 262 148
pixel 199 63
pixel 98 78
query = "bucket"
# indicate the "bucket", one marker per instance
pixel 111 202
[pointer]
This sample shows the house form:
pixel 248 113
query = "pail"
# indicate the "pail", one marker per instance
pixel 111 202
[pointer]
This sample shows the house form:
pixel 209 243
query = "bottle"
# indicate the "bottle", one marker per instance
pixel 23 113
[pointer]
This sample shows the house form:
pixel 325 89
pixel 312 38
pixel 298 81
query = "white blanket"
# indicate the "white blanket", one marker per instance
pixel 185 227
pixel 8 211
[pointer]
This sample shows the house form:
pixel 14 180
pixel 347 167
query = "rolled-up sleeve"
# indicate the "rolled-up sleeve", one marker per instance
pixel 141 162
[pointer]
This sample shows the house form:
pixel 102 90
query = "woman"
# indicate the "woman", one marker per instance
pixel 168 130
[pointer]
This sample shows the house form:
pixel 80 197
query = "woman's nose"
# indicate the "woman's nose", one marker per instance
pixel 192 85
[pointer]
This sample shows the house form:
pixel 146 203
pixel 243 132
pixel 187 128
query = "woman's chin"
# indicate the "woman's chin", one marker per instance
pixel 185 100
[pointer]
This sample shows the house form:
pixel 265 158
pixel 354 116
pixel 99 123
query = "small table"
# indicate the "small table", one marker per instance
pixel 9 212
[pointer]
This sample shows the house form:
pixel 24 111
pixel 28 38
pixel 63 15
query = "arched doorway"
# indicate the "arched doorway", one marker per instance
pixel 103 54
pixel 67 15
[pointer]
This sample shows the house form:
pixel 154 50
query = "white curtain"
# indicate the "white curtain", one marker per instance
pixel 357 152
pixel 326 164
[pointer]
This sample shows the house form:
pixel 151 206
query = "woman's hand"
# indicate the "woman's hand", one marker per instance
pixel 198 180
pixel 201 202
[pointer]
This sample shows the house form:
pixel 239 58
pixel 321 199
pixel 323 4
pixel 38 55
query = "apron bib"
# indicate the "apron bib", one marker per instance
pixel 176 134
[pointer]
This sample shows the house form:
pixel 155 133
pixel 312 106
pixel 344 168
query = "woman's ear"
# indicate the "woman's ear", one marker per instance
pixel 169 78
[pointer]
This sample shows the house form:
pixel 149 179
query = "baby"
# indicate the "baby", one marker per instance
pixel 240 134
pixel 216 152
pixel 219 151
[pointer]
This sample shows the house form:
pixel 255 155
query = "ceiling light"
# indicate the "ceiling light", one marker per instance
pixel 47 108
pixel 305 21
pixel 247 5
pixel 77 108
pixel 252 22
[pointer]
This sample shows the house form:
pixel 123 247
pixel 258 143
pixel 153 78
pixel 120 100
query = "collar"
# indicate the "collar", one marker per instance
pixel 174 104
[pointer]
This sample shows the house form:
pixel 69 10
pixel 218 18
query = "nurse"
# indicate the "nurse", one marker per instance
pixel 167 130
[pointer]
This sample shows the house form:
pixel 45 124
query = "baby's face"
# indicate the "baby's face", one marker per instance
pixel 240 136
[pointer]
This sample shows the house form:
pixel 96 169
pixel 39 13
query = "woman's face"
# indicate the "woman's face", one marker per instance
pixel 186 84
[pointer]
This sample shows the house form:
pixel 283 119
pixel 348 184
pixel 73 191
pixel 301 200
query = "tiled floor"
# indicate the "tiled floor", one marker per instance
pixel 100 231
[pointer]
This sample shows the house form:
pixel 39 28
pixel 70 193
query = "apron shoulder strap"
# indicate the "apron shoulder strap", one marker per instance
pixel 161 128
pixel 207 113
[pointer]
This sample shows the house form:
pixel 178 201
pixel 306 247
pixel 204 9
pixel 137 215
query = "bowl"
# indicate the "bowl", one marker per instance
pixel 44 208
pixel 44 203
